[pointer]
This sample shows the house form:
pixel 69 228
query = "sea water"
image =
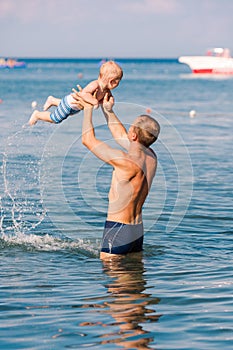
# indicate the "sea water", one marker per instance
pixel 55 292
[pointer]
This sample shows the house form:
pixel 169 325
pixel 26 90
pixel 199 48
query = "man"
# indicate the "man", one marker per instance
pixel 133 172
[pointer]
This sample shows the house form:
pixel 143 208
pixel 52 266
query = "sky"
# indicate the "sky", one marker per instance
pixel 114 28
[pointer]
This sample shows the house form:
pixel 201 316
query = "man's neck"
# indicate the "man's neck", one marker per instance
pixel 135 148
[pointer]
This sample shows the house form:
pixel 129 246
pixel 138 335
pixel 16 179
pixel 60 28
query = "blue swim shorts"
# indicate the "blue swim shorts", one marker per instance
pixel 63 111
pixel 121 238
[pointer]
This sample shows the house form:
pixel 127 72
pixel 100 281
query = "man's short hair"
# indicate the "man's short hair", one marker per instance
pixel 147 129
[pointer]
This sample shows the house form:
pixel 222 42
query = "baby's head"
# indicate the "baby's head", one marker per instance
pixel 111 74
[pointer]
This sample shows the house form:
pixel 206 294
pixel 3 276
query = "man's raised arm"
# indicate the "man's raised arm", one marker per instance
pixel 115 126
pixel 99 148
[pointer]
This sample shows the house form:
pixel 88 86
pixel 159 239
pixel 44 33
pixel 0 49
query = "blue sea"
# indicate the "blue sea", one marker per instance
pixel 55 291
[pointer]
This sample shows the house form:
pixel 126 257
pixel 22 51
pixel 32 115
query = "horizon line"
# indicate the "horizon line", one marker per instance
pixel 91 57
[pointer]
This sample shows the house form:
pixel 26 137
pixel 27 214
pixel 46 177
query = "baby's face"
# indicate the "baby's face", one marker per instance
pixel 113 83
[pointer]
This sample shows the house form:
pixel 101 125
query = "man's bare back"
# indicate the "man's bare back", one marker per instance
pixel 130 185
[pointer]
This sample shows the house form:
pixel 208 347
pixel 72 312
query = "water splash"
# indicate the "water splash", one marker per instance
pixel 50 243
pixel 21 204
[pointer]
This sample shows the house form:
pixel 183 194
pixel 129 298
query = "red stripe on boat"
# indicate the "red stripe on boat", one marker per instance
pixel 212 71
pixel 203 71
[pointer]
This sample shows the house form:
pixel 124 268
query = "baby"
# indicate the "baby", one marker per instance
pixel 110 75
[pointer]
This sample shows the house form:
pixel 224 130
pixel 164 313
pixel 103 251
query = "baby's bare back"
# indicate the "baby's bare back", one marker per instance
pixel 94 89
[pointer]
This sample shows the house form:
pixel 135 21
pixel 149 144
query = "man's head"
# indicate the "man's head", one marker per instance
pixel 111 74
pixel 145 130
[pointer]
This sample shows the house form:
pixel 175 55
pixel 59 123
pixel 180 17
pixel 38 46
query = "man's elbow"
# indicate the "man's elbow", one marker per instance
pixel 86 141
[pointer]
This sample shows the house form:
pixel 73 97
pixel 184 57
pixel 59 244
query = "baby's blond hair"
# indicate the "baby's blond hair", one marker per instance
pixel 111 69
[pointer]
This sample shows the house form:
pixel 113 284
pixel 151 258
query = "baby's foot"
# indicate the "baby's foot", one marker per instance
pixel 49 102
pixel 34 118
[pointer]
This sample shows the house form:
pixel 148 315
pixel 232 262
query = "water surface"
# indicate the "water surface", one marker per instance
pixel 55 292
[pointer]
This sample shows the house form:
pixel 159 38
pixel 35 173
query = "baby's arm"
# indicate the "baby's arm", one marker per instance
pixel 88 92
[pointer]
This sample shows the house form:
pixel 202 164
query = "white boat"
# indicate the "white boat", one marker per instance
pixel 216 61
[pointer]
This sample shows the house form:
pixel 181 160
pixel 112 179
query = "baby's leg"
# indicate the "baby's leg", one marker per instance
pixel 51 101
pixel 37 115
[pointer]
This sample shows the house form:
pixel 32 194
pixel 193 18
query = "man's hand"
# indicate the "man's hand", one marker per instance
pixel 80 101
pixel 108 103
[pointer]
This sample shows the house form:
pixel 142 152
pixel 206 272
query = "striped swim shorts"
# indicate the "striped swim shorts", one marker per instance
pixel 63 111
